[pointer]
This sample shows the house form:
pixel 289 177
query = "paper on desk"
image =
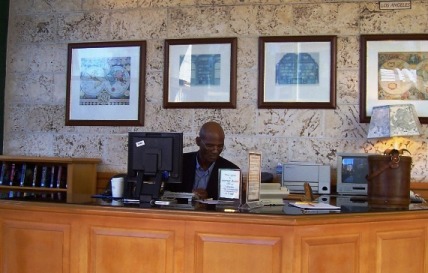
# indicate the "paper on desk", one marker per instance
pixel 314 206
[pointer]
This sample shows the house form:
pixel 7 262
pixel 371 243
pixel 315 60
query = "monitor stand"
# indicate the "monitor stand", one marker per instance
pixel 148 190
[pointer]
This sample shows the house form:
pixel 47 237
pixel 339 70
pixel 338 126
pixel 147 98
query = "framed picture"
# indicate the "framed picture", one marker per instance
pixel 297 72
pixel 105 84
pixel 394 70
pixel 200 73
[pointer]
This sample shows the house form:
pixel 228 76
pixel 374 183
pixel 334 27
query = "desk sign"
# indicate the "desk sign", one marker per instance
pixel 390 5
pixel 254 176
pixel 229 184
pixel 253 182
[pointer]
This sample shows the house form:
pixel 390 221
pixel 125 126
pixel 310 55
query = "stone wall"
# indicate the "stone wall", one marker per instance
pixel 40 30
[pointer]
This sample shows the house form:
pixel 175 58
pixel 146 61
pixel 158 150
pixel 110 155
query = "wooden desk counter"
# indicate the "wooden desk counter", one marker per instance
pixel 44 237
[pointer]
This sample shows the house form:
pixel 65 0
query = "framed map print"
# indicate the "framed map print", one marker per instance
pixel 394 70
pixel 105 84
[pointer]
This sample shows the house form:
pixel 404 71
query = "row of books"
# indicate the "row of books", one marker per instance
pixel 34 196
pixel 33 175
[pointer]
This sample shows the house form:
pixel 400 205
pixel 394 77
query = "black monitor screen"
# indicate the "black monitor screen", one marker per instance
pixel 153 156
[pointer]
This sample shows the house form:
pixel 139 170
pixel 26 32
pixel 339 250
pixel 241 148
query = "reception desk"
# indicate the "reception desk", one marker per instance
pixel 40 237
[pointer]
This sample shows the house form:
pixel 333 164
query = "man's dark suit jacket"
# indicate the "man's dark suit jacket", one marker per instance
pixel 189 166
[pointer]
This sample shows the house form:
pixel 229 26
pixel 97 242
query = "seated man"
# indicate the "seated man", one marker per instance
pixel 200 169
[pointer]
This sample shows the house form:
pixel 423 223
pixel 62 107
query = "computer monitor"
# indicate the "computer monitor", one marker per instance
pixel 352 169
pixel 153 160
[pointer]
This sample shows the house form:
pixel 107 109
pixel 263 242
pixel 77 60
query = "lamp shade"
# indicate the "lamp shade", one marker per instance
pixel 394 120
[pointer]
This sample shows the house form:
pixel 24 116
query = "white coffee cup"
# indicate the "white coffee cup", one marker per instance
pixel 117 185
pixel 117 203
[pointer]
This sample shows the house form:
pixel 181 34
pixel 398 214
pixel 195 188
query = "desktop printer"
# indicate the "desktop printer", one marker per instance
pixel 296 173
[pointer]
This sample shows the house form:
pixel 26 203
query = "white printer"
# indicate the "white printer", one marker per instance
pixel 296 173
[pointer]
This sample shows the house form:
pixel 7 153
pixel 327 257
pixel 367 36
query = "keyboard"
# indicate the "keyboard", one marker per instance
pixel 177 195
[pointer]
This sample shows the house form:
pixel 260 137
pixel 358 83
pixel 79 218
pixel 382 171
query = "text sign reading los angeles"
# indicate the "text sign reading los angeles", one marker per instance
pixel 395 5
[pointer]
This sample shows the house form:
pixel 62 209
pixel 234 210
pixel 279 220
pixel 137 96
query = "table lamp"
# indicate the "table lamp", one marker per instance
pixel 390 121
pixel 389 174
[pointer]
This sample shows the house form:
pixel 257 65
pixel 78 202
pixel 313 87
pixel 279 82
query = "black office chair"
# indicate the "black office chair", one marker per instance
pixel 266 177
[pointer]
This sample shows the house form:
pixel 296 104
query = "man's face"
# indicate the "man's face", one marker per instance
pixel 210 147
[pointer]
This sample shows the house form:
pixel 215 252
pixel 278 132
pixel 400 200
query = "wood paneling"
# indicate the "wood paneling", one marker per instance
pixel 130 250
pixel 40 237
pixel 400 246
pixel 321 254
pixel 138 244
pixel 219 248
pixel 326 248
pixel 35 247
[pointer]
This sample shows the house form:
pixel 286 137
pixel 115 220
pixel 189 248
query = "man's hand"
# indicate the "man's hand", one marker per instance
pixel 200 194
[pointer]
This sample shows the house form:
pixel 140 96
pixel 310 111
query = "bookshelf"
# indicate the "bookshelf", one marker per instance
pixel 55 179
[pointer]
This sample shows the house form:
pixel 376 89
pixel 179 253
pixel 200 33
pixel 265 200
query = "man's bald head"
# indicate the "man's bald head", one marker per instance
pixel 210 142
pixel 211 128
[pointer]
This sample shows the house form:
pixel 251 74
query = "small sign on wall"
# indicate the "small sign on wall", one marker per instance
pixel 390 5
